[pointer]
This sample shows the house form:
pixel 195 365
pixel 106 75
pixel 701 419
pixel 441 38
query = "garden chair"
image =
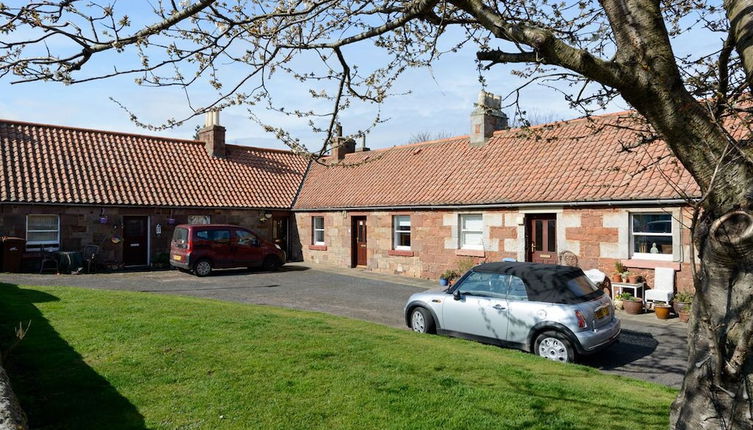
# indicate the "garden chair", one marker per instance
pixel 664 286
pixel 49 261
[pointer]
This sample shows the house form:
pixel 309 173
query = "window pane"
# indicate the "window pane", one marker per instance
pixel 199 219
pixel 42 236
pixel 652 244
pixel 538 240
pixel 318 223
pixel 43 222
pixel 219 235
pixel 551 236
pixel 402 222
pixel 484 284
pixel 472 222
pixel 471 239
pixel 652 223
pixel 403 239
pixel 319 236
pixel 517 289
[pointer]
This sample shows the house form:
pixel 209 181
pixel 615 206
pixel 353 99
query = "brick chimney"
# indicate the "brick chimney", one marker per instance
pixel 486 118
pixel 341 145
pixel 213 134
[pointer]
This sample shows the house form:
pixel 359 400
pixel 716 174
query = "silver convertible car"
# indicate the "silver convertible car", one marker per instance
pixel 553 311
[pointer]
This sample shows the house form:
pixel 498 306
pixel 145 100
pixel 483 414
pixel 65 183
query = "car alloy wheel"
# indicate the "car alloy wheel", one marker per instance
pixel 417 321
pixel 203 268
pixel 553 349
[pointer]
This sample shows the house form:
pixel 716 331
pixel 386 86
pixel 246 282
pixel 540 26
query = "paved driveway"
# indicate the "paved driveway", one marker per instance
pixel 648 349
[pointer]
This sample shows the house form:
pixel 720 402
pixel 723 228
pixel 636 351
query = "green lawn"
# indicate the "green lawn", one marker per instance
pixel 109 360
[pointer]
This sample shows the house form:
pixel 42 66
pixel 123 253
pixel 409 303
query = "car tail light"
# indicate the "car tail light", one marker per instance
pixel 581 319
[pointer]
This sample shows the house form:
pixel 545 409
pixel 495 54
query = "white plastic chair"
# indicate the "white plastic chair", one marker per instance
pixel 664 286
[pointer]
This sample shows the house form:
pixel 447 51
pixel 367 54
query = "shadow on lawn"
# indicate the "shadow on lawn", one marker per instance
pixel 56 388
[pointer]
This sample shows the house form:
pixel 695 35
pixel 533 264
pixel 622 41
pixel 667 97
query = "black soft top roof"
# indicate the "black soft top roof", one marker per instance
pixel 544 282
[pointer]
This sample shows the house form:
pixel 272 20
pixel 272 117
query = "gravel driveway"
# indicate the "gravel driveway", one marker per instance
pixel 648 349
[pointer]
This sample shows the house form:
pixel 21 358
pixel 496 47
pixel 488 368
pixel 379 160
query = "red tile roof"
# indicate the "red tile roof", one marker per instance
pixel 52 164
pixel 575 161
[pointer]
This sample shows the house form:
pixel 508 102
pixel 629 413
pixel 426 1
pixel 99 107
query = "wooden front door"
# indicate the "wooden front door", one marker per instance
pixel 541 238
pixel 135 240
pixel 359 241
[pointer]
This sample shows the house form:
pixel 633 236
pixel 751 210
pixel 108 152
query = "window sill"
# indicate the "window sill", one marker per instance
pixel 318 247
pixel 400 253
pixel 470 252
pixel 651 264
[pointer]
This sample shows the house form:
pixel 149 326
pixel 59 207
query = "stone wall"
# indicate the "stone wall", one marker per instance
pixel 80 226
pixel 598 236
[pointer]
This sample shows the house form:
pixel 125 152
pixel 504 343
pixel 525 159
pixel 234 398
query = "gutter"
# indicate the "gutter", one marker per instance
pixel 655 202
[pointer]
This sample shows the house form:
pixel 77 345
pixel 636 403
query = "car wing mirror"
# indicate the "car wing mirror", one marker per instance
pixel 255 242
pixel 456 294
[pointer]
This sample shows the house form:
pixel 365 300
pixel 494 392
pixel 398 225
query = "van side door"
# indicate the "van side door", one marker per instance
pixel 248 251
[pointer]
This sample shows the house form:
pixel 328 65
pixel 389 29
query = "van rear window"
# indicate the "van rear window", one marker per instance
pixel 180 236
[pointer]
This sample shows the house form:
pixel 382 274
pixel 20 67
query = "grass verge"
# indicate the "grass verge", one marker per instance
pixel 103 359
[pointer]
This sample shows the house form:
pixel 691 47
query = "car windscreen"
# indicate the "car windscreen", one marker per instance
pixel 180 237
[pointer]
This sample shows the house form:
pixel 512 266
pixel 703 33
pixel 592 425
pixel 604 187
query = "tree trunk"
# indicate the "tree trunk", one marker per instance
pixel 718 385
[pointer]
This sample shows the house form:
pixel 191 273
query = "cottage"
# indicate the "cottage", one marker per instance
pixel 526 194
pixel 418 210
pixel 64 188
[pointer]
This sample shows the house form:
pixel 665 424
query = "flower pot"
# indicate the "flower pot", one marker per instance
pixel 680 306
pixel 616 277
pixel 633 307
pixel 684 315
pixel 633 279
pixel 443 282
pixel 662 312
pixel 618 304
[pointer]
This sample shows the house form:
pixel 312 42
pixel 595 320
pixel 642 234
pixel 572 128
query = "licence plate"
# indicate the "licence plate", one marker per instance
pixel 177 257
pixel 602 312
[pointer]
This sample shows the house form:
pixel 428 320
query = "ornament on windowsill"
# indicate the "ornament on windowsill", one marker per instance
pixel 654 249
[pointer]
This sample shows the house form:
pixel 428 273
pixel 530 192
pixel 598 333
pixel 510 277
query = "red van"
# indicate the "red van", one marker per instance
pixel 202 248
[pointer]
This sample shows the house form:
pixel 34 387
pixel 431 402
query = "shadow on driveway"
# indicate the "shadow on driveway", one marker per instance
pixel 56 388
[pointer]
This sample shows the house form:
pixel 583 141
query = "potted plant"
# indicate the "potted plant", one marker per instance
pixel 618 269
pixel 682 300
pixel 634 278
pixel 619 298
pixel 632 305
pixel 684 313
pixel 447 277
pixel 661 309
pixel 625 276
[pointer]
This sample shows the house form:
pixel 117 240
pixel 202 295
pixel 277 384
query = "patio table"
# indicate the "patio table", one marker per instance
pixel 622 285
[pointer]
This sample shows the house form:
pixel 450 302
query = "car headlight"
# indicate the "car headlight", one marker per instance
pixel 278 247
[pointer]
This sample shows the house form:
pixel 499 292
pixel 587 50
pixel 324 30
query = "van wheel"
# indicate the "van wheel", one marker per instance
pixel 202 268
pixel 554 346
pixel 270 263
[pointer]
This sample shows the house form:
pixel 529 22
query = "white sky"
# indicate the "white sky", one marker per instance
pixel 440 101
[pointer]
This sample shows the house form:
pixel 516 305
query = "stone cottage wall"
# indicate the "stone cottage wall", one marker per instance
pixel 598 236
pixel 80 226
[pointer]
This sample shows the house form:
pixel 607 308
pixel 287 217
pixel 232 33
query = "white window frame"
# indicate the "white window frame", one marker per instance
pixel 36 245
pixel 462 232
pixel 648 255
pixel 396 233
pixel 315 230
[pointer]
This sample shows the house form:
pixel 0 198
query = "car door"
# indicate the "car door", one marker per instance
pixel 482 308
pixel 247 248
pixel 221 250
pixel 523 312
